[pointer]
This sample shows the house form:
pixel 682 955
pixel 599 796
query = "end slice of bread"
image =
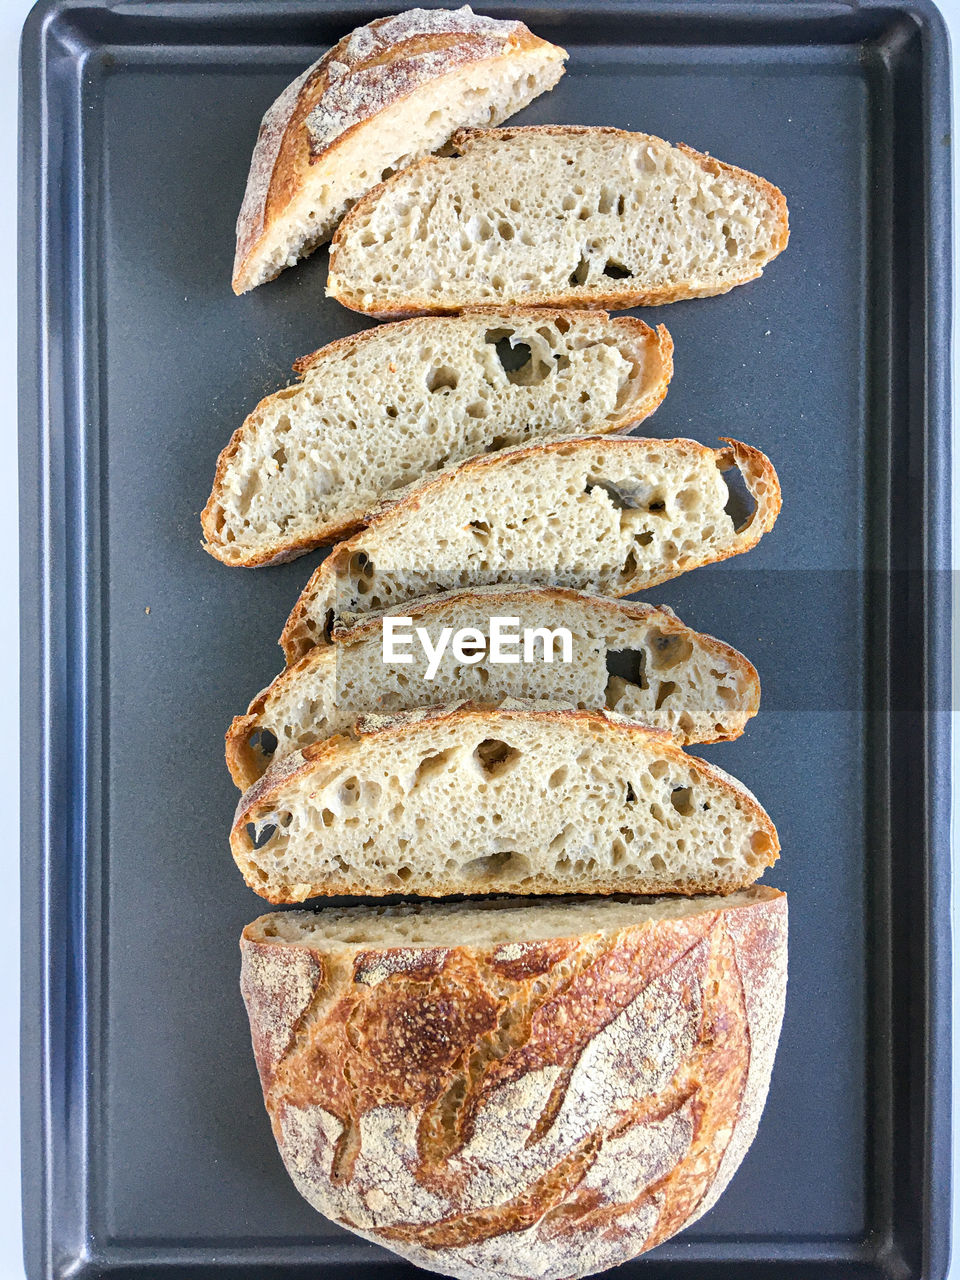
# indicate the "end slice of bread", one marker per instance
pixel 474 800
pixel 609 515
pixel 383 96
pixel 377 410
pixel 557 215
pixel 634 659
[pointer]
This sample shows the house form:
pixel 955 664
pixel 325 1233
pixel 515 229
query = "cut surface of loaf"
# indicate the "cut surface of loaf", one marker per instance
pixel 377 410
pixel 383 96
pixel 634 659
pixel 555 215
pixel 517 1089
pixel 611 516
pixel 477 800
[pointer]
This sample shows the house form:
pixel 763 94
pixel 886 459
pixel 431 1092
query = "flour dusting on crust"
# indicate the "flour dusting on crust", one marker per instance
pixel 356 91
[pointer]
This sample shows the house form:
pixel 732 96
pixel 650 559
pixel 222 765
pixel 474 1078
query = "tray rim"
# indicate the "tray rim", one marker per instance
pixel 51 375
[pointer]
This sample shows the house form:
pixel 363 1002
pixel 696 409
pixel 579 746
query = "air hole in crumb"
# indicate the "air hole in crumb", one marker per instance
pixel 442 378
pixel 630 566
pixel 558 777
pixel 430 766
pixel 480 529
pixel 761 844
pixel 360 565
pixel 349 793
pixel 580 272
pixel 682 800
pixel 326 627
pixel 668 650
pixel 495 757
pixel 663 693
pixel 262 833
pixel 629 665
pixel 741 504
pixel 516 359
pixel 631 797
pixel 361 571
pixel 626 496
pixel 507 864
pixel 615 270
pixel 264 741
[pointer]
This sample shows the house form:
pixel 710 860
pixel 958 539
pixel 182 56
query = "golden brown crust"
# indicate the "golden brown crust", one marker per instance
pixel 758 471
pixel 611 298
pixel 267 795
pixel 474 1115
pixel 287 148
pixel 333 529
pixel 246 767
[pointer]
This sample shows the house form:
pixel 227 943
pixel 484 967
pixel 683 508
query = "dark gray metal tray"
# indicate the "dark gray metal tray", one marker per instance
pixel 146 1148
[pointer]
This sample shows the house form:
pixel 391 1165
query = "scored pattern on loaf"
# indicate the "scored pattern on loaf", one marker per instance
pixel 377 410
pixel 555 215
pixel 479 800
pixel 565 1101
pixel 611 516
pixel 634 659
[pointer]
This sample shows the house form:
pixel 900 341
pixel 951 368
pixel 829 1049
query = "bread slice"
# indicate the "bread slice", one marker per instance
pixel 383 96
pixel 558 216
pixel 611 516
pixel 470 799
pixel 634 659
pixel 513 1088
pixel 376 410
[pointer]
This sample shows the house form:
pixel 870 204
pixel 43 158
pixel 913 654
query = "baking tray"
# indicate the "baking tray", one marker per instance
pixel 146 1148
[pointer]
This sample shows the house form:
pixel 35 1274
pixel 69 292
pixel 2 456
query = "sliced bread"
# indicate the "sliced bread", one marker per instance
pixel 611 516
pixel 475 800
pixel 634 659
pixel 555 216
pixel 383 96
pixel 378 409
pixel 517 1089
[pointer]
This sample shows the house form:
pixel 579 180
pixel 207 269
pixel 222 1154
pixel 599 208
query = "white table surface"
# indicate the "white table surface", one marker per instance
pixel 12 15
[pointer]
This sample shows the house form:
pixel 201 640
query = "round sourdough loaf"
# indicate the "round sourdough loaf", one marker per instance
pixel 517 1089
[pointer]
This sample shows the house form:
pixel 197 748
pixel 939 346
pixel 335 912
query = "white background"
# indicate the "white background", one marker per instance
pixel 12 15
